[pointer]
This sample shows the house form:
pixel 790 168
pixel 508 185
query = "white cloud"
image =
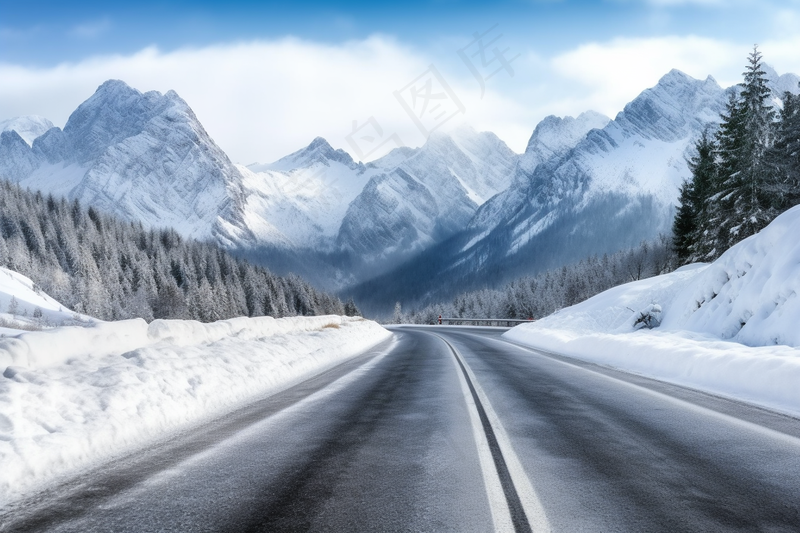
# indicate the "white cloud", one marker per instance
pixel 263 100
pixel 614 72
pixel 782 54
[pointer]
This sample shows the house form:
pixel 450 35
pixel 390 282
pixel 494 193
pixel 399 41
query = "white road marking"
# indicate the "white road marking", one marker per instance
pixel 501 515
pixel 530 501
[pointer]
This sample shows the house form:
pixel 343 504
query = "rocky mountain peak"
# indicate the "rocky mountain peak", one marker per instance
pixel 113 113
pixel 318 151
pixel 675 107
pixel 555 132
pixel 555 135
pixel 29 127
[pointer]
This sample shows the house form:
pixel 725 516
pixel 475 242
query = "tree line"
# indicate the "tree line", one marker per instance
pixel 744 174
pixel 540 295
pixel 101 266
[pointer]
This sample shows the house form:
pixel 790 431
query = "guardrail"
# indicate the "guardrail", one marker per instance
pixel 484 321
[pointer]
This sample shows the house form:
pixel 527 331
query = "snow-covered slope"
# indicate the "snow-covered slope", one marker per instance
pixel 24 306
pixel 28 127
pixel 749 294
pixel 144 157
pixel 729 327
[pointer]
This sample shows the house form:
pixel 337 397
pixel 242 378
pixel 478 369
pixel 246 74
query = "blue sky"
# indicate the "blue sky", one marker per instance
pixel 46 33
pixel 267 77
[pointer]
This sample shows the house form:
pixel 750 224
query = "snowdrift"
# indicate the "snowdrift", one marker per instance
pixel 730 328
pixel 72 397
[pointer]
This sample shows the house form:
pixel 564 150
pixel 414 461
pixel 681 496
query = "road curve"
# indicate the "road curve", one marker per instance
pixel 452 429
pixel 610 451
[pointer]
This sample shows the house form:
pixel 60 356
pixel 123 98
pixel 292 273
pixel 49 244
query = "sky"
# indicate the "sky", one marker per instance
pixel 266 78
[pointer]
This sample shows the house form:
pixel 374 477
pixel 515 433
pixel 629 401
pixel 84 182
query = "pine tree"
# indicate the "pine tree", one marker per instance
pixel 745 137
pixel 398 313
pixel 99 265
pixel 13 306
pixel 350 308
pixel 693 239
pixel 786 153
pixel 684 227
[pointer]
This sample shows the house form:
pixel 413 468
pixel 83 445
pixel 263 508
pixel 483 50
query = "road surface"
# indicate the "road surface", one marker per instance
pixel 453 429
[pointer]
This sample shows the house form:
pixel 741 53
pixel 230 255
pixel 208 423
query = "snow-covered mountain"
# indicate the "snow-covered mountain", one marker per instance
pixel 299 201
pixel 630 170
pixel 28 127
pixel 552 139
pixel 616 186
pixel 364 218
pixel 462 208
pixel 429 196
pixel 144 157
pixel 641 153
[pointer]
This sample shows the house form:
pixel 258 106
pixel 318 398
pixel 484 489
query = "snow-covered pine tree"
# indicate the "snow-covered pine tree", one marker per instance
pixel 350 308
pixel 743 205
pixel 693 239
pixel 684 224
pixel 112 269
pixel 786 153
pixel 549 291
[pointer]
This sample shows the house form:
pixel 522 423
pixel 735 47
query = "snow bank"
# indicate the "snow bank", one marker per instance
pixel 750 293
pixel 72 396
pixel 730 328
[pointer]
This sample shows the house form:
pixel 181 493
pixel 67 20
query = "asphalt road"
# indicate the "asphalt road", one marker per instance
pixel 452 429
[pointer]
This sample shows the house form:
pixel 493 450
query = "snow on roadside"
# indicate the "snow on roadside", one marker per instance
pixel 729 328
pixel 72 397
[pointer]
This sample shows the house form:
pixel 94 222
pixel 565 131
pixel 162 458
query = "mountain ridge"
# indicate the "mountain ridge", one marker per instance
pixel 461 206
